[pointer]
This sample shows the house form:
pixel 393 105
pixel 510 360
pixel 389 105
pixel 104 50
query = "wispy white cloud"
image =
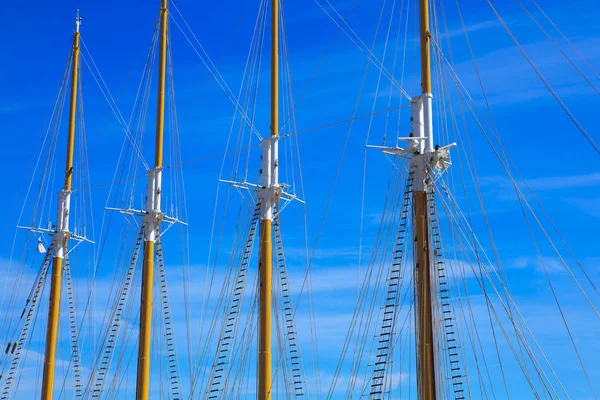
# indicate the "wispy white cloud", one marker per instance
pixel 299 253
pixel 502 187
pixel 8 108
pixel 565 182
pixel 509 79
pixel 551 264
pixel 589 206
pixel 556 194
pixel 475 27
pixel 327 280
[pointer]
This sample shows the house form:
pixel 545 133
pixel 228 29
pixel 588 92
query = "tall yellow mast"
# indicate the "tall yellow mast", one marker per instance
pixel 422 120
pixel 61 237
pixel 269 195
pixel 152 220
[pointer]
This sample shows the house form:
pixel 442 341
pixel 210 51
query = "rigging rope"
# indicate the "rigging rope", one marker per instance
pixel 290 336
pixel 562 105
pixel 384 357
pixel 232 317
pixel 97 379
pixel 75 356
pixel 29 312
pixel 169 335
pixel 447 317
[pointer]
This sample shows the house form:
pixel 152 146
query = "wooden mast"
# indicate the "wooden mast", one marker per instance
pixel 61 236
pixel 152 220
pixel 425 340
pixel 268 198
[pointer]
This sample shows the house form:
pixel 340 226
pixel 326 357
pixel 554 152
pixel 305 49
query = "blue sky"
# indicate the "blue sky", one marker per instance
pixel 558 164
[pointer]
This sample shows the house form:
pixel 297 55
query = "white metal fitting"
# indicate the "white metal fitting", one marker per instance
pixel 419 165
pixel 424 166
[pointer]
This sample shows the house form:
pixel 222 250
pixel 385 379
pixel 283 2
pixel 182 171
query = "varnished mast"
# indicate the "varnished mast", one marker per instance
pixel 422 114
pixel 152 220
pixel 268 198
pixel 61 237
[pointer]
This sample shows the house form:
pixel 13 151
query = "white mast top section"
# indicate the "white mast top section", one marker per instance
pixel 271 190
pixel 427 160
pixel 77 21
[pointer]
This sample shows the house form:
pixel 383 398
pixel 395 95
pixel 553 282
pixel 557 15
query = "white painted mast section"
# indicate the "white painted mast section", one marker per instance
pixel 61 237
pixel 427 99
pixel 427 158
pixel 418 126
pixel 422 121
pixel 153 214
pixel 77 22
pixel 271 189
